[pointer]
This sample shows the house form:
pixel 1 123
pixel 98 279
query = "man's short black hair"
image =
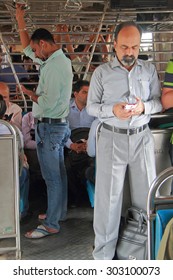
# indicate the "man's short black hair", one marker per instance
pixel 80 48
pixel 79 84
pixel 126 24
pixel 3 107
pixel 42 34
pixel 26 58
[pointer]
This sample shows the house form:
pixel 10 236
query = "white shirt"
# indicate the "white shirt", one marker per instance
pixel 111 83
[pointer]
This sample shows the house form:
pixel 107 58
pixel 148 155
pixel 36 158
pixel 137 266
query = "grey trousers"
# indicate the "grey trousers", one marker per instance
pixel 116 152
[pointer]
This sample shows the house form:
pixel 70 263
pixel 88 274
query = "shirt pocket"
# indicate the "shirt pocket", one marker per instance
pixel 145 89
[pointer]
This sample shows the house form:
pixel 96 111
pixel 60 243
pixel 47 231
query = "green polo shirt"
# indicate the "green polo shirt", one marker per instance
pixel 54 87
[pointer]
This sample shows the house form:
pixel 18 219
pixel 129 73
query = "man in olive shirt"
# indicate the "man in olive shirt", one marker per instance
pixel 50 109
pixel 167 101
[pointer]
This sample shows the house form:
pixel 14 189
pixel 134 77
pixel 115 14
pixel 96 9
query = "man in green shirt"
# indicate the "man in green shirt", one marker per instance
pixel 50 109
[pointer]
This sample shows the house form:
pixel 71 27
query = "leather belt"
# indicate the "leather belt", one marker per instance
pixel 49 120
pixel 129 131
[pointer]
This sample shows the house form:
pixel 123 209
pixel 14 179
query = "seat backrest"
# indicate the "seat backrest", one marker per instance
pixel 165 251
pixel 163 216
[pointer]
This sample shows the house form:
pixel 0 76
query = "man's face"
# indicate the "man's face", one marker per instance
pixel 38 49
pixel 5 93
pixel 127 46
pixel 81 96
pixel 27 66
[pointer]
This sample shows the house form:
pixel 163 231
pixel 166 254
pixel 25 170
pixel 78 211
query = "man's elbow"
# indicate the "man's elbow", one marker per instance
pixel 167 100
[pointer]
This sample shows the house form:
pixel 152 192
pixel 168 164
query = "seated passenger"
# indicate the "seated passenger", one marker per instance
pixel 13 113
pixel 23 166
pixel 30 68
pixel 76 159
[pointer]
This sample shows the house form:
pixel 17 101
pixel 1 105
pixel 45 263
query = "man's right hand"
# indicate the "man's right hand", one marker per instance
pixel 78 147
pixel 120 112
pixel 19 11
pixel 24 36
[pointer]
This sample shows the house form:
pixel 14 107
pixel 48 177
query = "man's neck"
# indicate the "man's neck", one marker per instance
pixel 53 49
pixel 79 105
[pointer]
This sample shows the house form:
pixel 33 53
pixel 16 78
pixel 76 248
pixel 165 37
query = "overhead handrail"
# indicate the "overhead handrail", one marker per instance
pixel 73 4
pixel 95 42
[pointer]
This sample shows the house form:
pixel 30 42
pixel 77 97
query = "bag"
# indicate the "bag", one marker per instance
pixel 132 241
pixel 78 135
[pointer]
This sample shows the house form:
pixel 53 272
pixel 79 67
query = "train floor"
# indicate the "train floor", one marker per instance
pixel 74 241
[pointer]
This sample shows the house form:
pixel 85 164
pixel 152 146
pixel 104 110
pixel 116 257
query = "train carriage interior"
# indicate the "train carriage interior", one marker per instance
pixel 83 18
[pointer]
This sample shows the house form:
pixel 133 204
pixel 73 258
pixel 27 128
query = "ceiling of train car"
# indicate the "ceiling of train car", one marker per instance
pixel 80 15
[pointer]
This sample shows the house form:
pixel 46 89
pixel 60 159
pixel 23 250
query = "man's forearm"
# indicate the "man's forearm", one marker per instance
pixel 24 36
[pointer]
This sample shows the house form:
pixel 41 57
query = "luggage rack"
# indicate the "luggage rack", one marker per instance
pixel 9 195
pixel 156 203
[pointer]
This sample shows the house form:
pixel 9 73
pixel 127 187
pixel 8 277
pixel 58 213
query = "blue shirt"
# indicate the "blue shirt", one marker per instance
pixel 78 118
pixel 54 87
pixel 111 83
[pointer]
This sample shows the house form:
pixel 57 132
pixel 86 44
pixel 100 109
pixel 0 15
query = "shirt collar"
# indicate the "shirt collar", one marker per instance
pixel 74 106
pixel 73 103
pixel 54 54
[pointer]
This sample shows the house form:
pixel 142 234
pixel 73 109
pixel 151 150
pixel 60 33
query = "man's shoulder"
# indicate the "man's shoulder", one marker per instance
pixel 106 66
pixel 147 65
pixel 72 102
pixel 169 67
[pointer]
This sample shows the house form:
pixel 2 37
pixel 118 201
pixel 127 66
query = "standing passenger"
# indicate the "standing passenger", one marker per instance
pixel 125 140
pixel 50 109
pixel 167 101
